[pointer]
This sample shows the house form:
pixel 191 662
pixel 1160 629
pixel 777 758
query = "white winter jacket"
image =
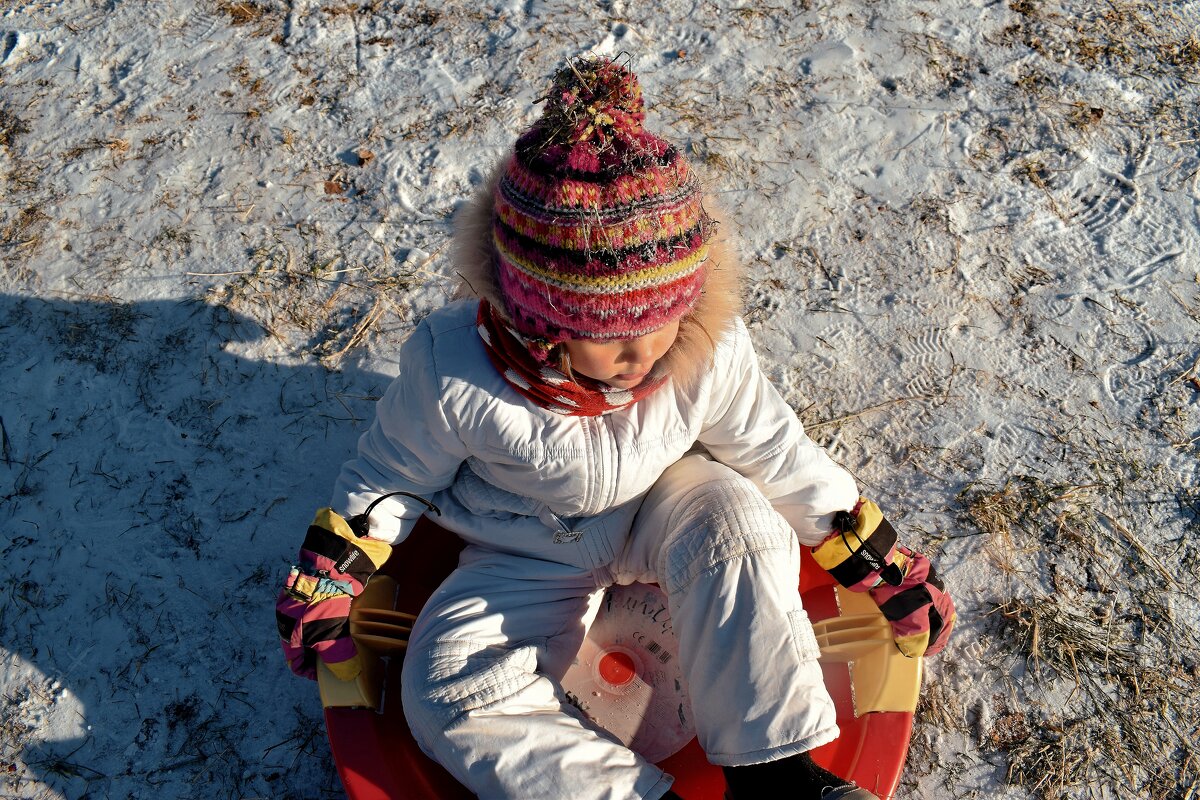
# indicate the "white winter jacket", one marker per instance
pixel 509 475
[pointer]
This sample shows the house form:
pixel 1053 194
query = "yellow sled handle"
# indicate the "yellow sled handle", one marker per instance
pixel 882 678
pixel 378 630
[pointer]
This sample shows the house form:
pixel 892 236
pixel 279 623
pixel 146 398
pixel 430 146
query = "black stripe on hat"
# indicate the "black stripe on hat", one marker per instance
pixel 650 252
pixel 534 206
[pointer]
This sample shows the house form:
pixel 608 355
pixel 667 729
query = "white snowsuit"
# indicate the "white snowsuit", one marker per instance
pixel 705 491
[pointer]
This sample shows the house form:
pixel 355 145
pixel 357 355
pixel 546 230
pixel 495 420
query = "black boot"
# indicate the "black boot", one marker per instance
pixel 802 777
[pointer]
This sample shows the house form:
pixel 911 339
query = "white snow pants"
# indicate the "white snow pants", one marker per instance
pixel 480 678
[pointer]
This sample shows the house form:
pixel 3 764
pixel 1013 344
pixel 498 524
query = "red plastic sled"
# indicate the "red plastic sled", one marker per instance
pixel 874 687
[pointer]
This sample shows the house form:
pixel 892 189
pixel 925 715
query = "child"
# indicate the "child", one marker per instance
pixel 593 413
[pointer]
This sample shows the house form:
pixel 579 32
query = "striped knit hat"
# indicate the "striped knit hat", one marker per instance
pixel 599 227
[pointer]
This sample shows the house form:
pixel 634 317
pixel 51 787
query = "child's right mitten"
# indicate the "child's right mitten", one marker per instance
pixel 313 609
pixel 862 554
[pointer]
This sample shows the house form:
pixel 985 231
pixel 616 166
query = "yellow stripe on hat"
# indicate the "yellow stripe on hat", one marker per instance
pixel 628 281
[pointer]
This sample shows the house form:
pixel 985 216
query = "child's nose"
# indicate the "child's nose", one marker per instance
pixel 640 350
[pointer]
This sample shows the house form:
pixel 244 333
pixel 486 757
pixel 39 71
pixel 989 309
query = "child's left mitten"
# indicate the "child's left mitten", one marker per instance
pixel 862 554
pixel 313 608
pixel 919 610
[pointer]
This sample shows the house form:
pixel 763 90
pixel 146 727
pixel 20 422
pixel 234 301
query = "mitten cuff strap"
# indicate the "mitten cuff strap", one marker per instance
pixel 331 549
pixel 859 554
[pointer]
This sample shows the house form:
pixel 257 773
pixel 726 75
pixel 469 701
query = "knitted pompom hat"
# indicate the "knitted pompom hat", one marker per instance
pixel 599 228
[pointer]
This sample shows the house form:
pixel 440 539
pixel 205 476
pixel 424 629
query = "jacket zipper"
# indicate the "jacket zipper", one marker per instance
pixel 614 488
pixel 597 494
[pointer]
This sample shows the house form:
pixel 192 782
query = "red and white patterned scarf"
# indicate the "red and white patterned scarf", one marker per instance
pixel 512 355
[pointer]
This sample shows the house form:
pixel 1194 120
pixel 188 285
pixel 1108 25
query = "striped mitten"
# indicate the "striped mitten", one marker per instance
pixel 920 611
pixel 313 609
pixel 862 555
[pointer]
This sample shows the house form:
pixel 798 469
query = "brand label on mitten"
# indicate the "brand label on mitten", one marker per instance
pixel 348 560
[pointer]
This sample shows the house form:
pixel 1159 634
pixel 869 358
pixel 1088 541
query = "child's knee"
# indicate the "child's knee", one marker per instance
pixel 720 521
pixel 445 681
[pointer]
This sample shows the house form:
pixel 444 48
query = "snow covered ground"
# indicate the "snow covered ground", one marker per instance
pixel 973 229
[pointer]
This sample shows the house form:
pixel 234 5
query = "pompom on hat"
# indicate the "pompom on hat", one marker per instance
pixel 599 229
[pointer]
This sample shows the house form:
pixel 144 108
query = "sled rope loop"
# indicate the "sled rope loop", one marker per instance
pixel 863 555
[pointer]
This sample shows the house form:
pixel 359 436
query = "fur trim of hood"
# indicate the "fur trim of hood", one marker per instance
pixel 699 331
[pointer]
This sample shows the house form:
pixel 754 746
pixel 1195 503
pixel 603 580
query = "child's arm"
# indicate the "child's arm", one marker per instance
pixel 752 429
pixel 411 447
pixel 410 452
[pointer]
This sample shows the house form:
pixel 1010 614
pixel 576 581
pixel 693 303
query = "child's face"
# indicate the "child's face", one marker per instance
pixel 621 363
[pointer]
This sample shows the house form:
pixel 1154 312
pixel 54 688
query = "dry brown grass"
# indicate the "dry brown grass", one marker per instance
pixel 1134 38
pixel 261 19
pixel 949 68
pixel 1124 719
pixel 1105 666
pixel 1025 515
pixel 23 233
pixel 11 127
pixel 334 306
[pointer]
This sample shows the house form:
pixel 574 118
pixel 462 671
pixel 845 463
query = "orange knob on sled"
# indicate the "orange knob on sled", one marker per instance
pixel 874 687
